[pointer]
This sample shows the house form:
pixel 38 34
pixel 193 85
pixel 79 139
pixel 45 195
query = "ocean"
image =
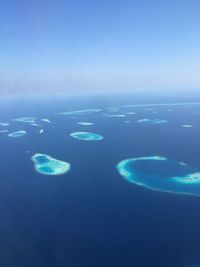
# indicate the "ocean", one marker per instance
pixel 91 216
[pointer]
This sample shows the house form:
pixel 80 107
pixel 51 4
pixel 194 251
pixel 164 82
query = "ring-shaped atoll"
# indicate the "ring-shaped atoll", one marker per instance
pixel 161 174
pixel 87 136
pixel 17 133
pixel 47 165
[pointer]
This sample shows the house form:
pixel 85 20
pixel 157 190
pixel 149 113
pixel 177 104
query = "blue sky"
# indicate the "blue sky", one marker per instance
pixel 99 45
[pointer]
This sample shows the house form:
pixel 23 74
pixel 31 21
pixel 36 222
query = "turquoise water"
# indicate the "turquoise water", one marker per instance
pixel 162 174
pixel 87 136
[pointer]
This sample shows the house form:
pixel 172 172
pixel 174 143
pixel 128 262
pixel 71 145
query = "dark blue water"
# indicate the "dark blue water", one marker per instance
pixel 91 216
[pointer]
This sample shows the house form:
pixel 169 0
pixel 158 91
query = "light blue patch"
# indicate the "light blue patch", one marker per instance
pixel 85 123
pixel 26 119
pixel 4 124
pixel 152 121
pixel 87 136
pixel 17 133
pixel 187 126
pixel 44 164
pixel 80 112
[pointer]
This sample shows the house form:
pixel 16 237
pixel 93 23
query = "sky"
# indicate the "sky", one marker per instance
pixel 99 45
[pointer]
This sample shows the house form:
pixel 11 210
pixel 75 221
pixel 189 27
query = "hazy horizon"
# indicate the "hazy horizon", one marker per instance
pixel 98 46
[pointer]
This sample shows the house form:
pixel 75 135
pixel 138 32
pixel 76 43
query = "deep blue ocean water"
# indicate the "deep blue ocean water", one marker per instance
pixel 91 216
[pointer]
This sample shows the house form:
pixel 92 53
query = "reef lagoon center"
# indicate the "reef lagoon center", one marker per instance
pixel 87 136
pixel 161 174
pixel 47 165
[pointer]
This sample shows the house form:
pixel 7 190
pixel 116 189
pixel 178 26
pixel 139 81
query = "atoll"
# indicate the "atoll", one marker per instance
pixel 162 174
pixel 152 121
pixel 85 123
pixel 47 165
pixel 26 119
pixel 114 115
pixel 4 124
pixel 186 126
pixel 87 136
pixel 17 133
pixel 46 120
pixel 80 112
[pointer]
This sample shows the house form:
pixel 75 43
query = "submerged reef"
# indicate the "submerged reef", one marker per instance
pixel 162 104
pixel 80 112
pixel 130 113
pixel 161 174
pixel 113 109
pixel 36 124
pixel 114 115
pixel 87 136
pixel 152 121
pixel 46 120
pixel 187 126
pixel 26 119
pixel 85 123
pixel 17 133
pixel 47 165
pixel 4 124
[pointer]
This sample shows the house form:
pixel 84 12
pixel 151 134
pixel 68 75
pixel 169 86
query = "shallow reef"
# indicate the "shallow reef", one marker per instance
pixel 17 133
pixel 187 126
pixel 85 123
pixel 4 124
pixel 26 119
pixel 47 165
pixel 162 174
pixel 152 121
pixel 87 136
pixel 80 112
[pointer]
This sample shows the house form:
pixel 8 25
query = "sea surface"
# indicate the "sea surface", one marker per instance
pixel 91 216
